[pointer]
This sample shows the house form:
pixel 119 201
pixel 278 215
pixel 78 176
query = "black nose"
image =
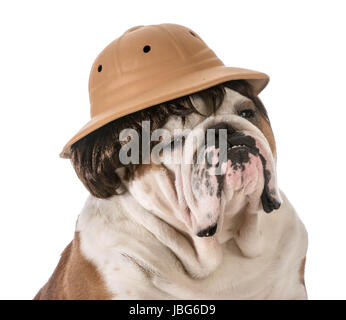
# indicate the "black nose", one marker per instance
pixel 221 126
pixel 233 136
pixel 208 232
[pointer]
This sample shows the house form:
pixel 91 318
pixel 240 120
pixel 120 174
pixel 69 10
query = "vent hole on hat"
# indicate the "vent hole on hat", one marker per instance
pixel 193 34
pixel 146 49
pixel 99 68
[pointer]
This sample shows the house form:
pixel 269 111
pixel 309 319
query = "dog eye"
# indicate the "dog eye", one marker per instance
pixel 247 113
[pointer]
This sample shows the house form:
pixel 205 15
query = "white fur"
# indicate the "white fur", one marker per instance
pixel 160 256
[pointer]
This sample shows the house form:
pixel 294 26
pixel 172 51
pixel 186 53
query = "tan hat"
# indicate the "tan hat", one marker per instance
pixel 149 65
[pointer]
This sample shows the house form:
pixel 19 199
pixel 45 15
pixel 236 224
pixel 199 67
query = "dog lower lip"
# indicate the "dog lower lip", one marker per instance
pixel 208 232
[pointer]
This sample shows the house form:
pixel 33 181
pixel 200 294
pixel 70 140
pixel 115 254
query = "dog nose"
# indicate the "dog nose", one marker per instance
pixel 223 125
pixel 208 232
pixel 218 133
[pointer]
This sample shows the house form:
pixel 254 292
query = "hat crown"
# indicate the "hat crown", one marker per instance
pixel 143 58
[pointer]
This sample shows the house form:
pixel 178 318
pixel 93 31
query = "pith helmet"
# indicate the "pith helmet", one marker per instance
pixel 149 65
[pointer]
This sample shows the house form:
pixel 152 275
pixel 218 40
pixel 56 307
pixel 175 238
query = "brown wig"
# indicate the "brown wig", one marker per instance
pixel 96 156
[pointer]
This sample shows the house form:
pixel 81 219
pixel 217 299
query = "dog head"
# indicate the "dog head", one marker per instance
pixel 195 161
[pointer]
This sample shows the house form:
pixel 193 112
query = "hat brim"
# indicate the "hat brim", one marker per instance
pixel 190 83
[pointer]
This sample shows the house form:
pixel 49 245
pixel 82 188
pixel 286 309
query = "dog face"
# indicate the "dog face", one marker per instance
pixel 237 171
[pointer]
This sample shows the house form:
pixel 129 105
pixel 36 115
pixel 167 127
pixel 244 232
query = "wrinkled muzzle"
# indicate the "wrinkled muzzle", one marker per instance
pixel 223 158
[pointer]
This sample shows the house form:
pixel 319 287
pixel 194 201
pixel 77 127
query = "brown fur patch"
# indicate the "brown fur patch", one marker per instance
pixel 266 129
pixel 75 278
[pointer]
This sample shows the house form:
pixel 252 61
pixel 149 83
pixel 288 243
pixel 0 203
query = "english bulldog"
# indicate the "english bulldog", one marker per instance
pixel 176 227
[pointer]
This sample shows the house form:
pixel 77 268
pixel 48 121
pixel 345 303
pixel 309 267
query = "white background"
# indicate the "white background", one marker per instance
pixel 46 52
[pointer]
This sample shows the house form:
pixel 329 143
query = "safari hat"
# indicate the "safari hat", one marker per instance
pixel 149 65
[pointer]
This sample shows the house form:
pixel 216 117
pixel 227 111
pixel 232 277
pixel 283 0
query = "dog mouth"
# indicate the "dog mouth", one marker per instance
pixel 239 147
pixel 239 140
